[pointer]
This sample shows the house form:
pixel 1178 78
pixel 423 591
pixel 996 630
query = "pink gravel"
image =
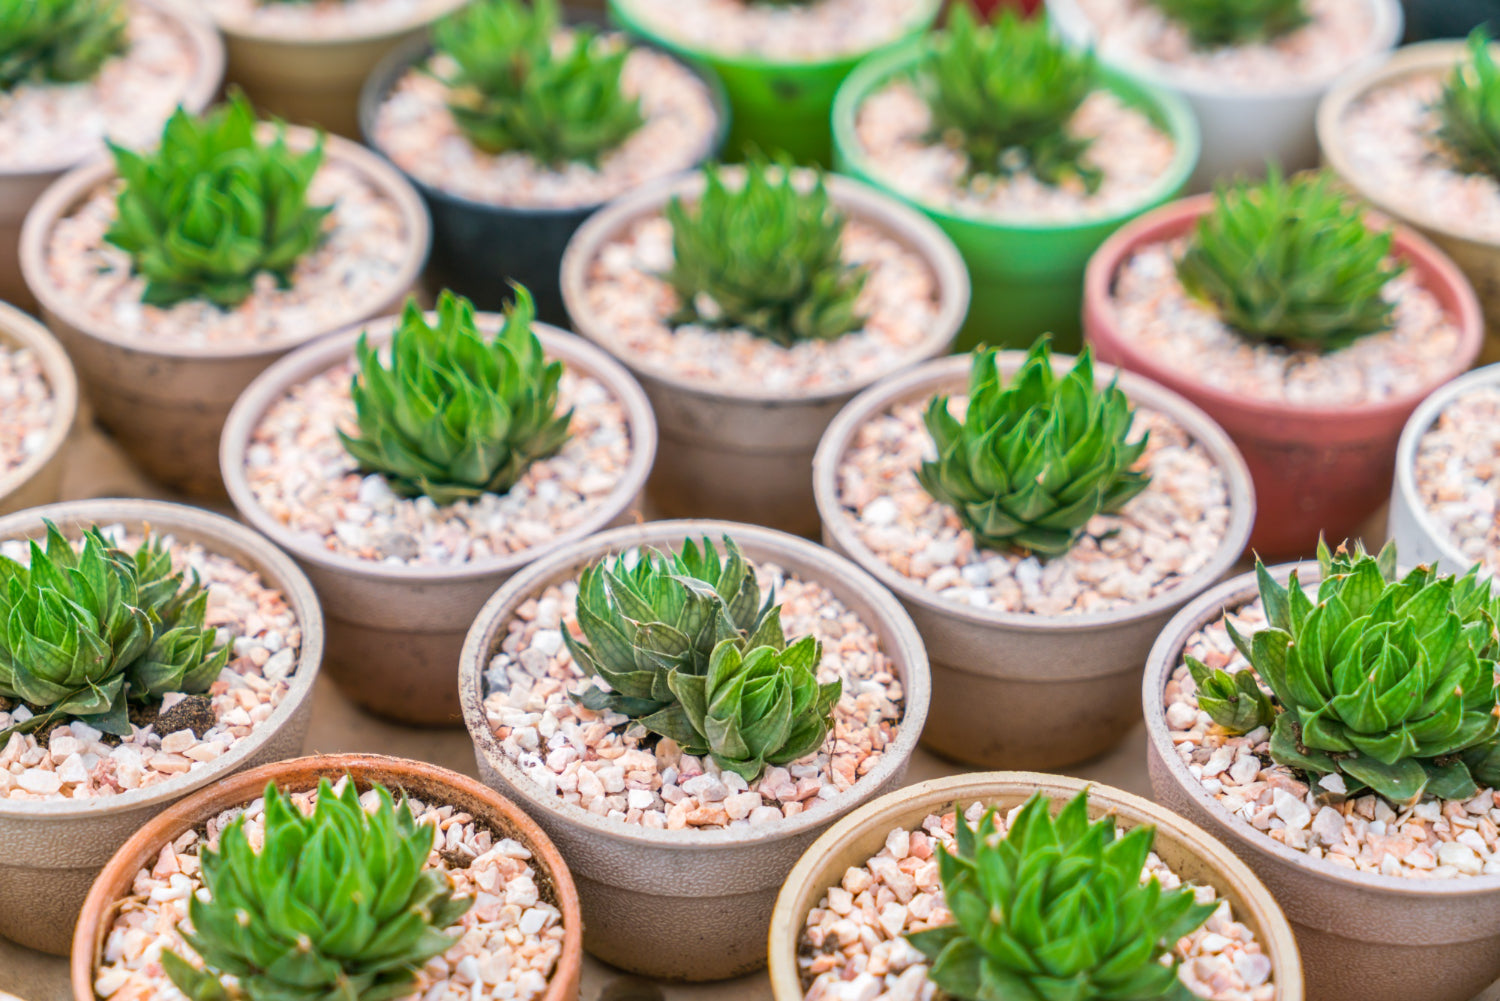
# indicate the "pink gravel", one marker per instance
pixel 331 19
pixel 1455 474
pixel 26 407
pixel 801 32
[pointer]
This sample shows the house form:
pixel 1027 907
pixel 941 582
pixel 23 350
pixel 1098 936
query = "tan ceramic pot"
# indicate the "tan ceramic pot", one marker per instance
pixel 395 630
pixel 38 480
pixel 746 454
pixel 20 188
pixel 50 851
pixel 166 403
pixel 429 783
pixel 688 904
pixel 1395 938
pixel 1187 850
pixel 1063 685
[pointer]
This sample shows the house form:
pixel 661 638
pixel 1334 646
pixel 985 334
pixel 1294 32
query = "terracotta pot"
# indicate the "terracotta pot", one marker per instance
pixel 744 453
pixel 1397 938
pixel 395 630
pixel 416 778
pixel 688 904
pixel 20 188
pixel 1063 684
pixel 1187 850
pixel 166 403
pixel 1479 259
pixel 51 851
pixel 38 480
pixel 1317 469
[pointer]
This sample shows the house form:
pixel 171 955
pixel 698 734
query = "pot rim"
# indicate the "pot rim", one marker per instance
pixel 1177 120
pixel 247 786
pixel 314 359
pixel 907 650
pixel 430 12
pixel 21 330
pixel 1166 654
pixel 920 235
pixel 1385 34
pixel 1274 933
pixel 1175 219
pixel 950 374
pixel 280 572
pixel 64 195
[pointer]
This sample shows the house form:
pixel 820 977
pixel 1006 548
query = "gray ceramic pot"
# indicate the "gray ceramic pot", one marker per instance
pixel 38 480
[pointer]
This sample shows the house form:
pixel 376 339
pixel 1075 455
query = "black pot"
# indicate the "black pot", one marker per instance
pixel 479 248
pixel 1448 18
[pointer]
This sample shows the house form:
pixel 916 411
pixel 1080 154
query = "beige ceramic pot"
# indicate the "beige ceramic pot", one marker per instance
pixel 1187 850
pixel 1385 938
pixel 166 403
pixel 745 454
pixel 50 851
pixel 688 904
pixel 429 783
pixel 38 480
pixel 395 630
pixel 1061 687
pixel 20 188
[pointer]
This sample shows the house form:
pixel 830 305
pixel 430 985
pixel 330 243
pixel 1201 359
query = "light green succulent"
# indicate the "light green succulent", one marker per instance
pixel 1468 113
pixel 1217 23
pixel 59 41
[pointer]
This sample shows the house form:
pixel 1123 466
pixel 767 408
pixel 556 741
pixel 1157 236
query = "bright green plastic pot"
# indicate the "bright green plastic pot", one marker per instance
pixel 1027 276
pixel 775 106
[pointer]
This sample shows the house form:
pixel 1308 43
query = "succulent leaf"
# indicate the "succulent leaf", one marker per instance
pixel 456 414
pixel 1216 23
pixel 1235 701
pixel 59 41
pixel 1468 113
pixel 335 905
pixel 1292 262
pixel 763 252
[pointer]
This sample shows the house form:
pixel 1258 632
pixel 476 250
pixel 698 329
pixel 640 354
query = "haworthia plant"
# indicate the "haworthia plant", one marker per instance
pixel 1217 23
pixel 1468 113
pixel 59 41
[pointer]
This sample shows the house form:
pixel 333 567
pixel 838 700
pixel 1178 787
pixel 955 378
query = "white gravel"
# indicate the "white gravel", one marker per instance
pixel 804 32
pixel 27 407
pixel 333 19
pixel 1455 474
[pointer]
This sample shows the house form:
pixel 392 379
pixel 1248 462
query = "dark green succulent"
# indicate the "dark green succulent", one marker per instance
pixel 1213 24
pixel 456 414
pixel 1291 262
pixel 1056 911
pixel 213 207
pixel 512 88
pixel 59 41
pixel 337 906
pixel 1387 681
pixel 84 630
pixel 764 254
pixel 1004 94
pixel 1034 460
pixel 1468 113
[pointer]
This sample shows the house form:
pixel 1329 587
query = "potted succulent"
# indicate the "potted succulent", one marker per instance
pixel 149 650
pixel 752 302
pixel 1112 898
pixel 1028 155
pixel 1417 138
pixel 306 60
pixel 517 128
pixel 781 62
pixel 38 406
pixel 412 465
pixel 704 710
pixel 334 876
pixel 1040 525
pixel 73 73
pixel 173 277
pixel 1307 330
pixel 1253 72
pixel 1338 731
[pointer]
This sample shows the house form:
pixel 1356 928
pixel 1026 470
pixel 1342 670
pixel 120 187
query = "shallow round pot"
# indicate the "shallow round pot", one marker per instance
pixel 395 630
pixel 1187 850
pixel 38 480
pixel 51 851
pixel 745 454
pixel 688 904
pixel 1397 938
pixel 1318 470
pixel 429 783
pixel 1012 689
pixel 1027 274
pixel 165 403
pixel 480 247
pixel 1242 130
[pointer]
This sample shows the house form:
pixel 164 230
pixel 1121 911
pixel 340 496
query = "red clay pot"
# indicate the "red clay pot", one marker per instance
pixel 1316 469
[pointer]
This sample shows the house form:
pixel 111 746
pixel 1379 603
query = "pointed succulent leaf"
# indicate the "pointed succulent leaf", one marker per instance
pixel 1212 24
pixel 1468 113
pixel 59 41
